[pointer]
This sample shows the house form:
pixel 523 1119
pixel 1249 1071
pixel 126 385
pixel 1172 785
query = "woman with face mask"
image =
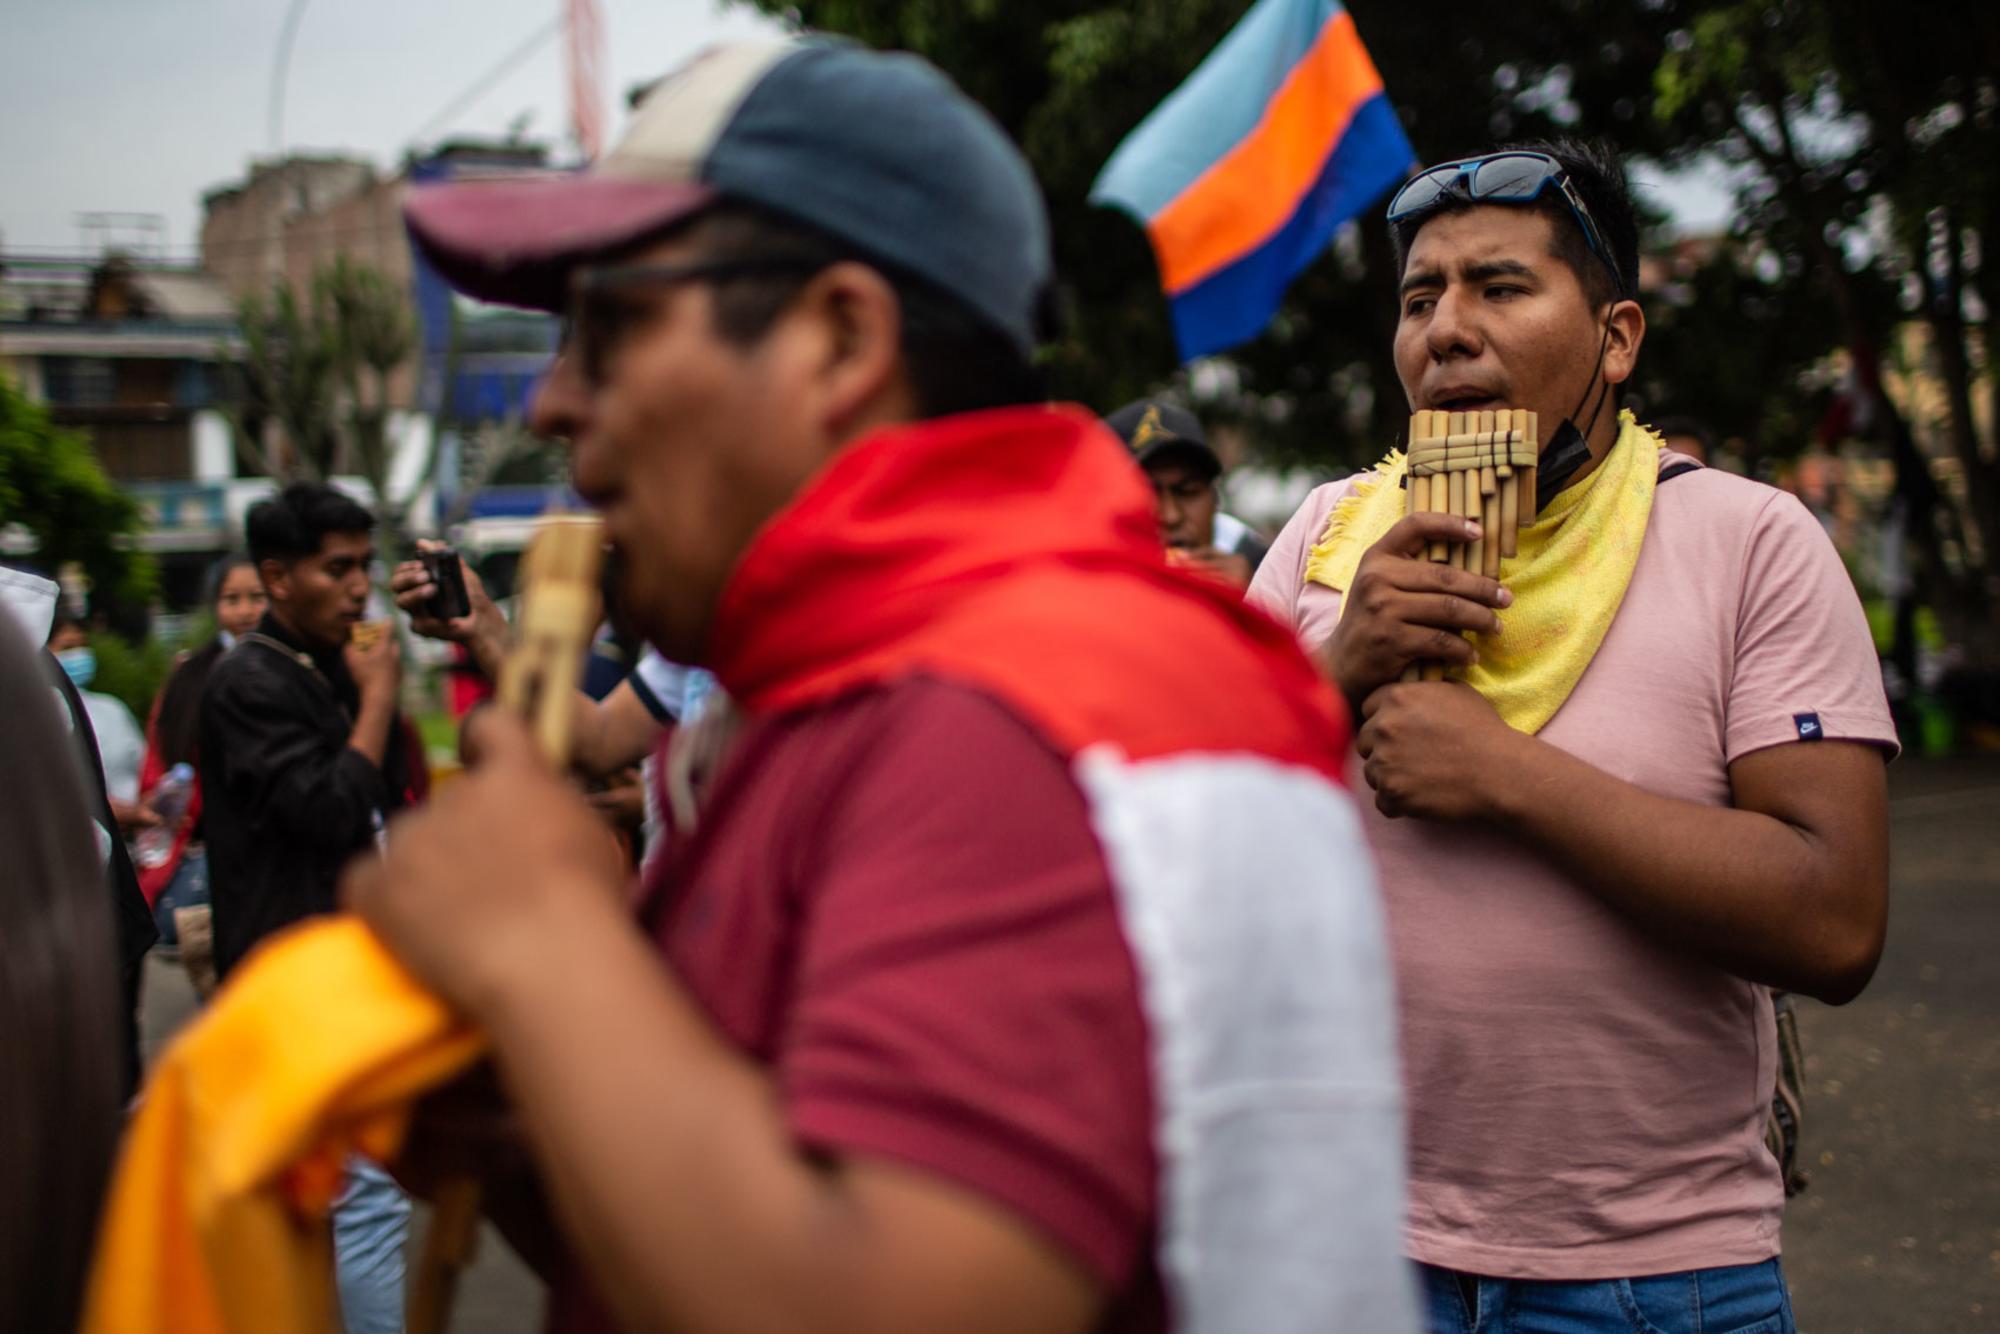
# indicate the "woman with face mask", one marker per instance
pixel 121 746
pixel 177 886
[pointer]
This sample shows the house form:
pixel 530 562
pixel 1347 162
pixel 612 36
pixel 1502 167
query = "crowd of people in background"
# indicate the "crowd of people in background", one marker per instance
pixel 1014 927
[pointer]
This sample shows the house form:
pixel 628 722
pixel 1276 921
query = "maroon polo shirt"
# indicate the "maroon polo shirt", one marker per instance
pixel 895 902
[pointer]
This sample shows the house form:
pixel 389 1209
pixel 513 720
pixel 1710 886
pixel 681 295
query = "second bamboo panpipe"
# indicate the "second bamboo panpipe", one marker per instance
pixel 538 682
pixel 1479 466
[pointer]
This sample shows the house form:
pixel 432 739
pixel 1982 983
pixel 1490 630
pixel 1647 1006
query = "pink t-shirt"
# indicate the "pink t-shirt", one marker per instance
pixel 1585 1103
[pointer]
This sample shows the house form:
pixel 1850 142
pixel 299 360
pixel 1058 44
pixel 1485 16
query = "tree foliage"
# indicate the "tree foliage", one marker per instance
pixel 1069 79
pixel 1859 140
pixel 318 366
pixel 1865 139
pixel 52 487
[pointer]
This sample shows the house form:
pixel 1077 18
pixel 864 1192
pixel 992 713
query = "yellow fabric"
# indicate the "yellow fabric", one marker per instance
pixel 1574 564
pixel 217 1216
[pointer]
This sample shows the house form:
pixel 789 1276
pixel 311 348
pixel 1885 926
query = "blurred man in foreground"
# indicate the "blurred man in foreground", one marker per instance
pixel 942 1002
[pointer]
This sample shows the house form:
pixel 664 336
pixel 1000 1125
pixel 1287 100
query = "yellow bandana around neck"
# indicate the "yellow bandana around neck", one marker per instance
pixel 1568 580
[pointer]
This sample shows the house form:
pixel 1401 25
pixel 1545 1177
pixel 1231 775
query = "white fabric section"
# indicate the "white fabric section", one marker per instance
pixel 214 448
pixel 32 600
pixel 121 745
pixel 653 820
pixel 680 120
pixel 1248 897
pixel 662 685
pixel 671 693
pixel 1229 530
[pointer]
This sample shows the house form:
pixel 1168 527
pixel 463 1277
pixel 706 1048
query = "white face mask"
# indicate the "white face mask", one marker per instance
pixel 31 599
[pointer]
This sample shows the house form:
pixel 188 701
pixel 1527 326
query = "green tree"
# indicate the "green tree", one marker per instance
pixel 318 366
pixel 52 488
pixel 1861 140
pixel 285 378
pixel 1070 79
pixel 1864 141
pixel 370 334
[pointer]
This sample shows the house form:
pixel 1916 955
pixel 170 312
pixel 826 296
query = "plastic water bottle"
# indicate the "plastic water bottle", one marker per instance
pixel 170 798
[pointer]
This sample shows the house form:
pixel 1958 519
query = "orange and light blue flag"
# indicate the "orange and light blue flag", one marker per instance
pixel 1242 175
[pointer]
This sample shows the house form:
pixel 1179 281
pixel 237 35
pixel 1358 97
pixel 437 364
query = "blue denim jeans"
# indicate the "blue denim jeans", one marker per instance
pixel 1739 1299
pixel 187 889
pixel 371 1220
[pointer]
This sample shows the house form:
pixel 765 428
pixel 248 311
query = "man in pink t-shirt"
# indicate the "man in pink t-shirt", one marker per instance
pixel 1586 919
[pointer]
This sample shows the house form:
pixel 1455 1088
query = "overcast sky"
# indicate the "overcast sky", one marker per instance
pixel 141 105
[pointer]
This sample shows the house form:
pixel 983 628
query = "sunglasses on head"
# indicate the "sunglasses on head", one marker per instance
pixel 603 310
pixel 1500 178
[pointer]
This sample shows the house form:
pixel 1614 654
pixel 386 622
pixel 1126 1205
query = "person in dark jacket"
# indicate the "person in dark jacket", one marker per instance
pixel 302 759
pixel 297 755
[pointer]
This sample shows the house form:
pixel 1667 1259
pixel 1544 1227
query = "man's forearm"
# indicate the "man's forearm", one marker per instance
pixel 1755 895
pixel 488 644
pixel 614 733
pixel 601 734
pixel 370 735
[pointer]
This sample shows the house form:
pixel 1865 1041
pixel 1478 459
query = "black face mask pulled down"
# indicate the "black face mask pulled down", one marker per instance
pixel 1567 450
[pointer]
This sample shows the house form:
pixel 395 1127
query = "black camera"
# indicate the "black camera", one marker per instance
pixel 444 571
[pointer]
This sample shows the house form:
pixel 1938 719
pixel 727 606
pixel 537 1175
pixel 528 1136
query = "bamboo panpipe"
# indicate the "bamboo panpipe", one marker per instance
pixel 559 614
pixel 1479 466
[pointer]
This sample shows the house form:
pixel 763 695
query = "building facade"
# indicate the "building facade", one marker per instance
pixel 129 353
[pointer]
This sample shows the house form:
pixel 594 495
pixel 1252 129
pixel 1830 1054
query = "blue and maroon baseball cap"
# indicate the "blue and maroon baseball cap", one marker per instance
pixel 877 149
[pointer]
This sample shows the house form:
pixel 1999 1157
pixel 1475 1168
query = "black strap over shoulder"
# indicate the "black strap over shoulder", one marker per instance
pixel 303 660
pixel 1673 470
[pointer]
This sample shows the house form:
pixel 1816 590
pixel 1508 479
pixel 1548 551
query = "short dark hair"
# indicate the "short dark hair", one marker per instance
pixel 1598 177
pixel 957 361
pixel 217 574
pixel 292 524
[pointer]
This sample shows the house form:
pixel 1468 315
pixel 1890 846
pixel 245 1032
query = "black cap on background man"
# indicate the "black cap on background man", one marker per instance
pixel 1159 432
pixel 1167 441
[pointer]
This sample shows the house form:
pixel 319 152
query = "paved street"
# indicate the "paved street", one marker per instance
pixel 1900 1228
pixel 1899 1231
